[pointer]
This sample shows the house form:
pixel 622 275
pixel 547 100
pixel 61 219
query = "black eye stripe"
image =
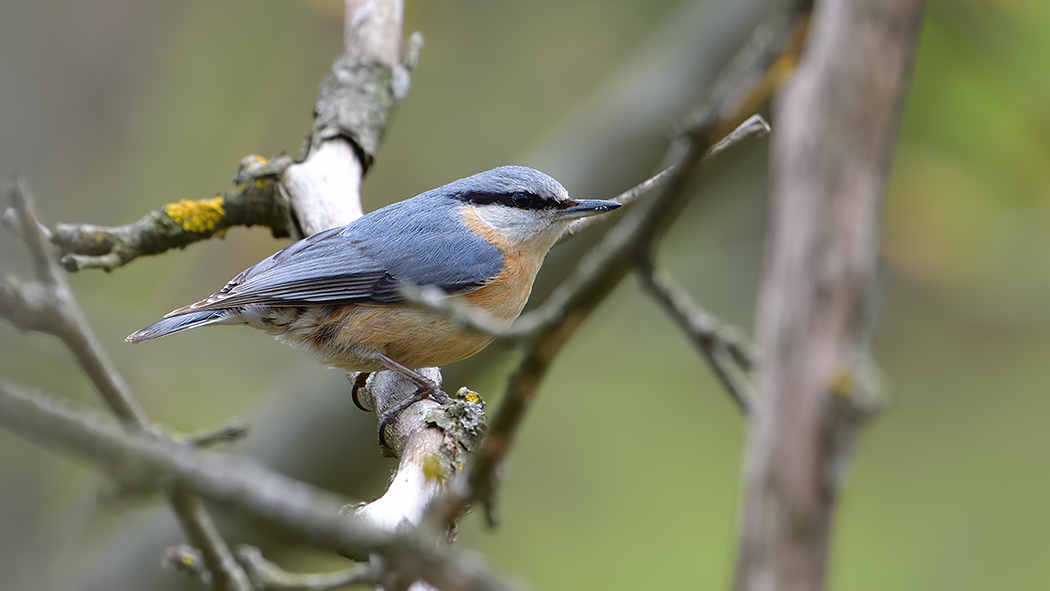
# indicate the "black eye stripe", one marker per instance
pixel 517 200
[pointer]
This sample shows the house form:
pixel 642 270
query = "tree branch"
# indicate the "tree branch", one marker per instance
pixel 836 125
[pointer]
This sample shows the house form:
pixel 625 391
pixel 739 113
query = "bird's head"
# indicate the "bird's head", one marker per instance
pixel 523 206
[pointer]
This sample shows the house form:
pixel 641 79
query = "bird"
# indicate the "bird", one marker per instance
pixel 339 295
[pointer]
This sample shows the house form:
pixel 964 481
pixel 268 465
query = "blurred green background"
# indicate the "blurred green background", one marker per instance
pixel 627 473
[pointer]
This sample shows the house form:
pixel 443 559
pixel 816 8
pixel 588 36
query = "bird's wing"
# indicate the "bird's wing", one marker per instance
pixel 364 261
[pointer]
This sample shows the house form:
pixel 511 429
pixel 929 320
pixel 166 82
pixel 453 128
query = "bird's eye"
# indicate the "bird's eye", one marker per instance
pixel 521 200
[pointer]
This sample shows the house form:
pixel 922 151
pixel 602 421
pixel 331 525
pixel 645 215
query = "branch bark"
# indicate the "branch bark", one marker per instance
pixel 836 124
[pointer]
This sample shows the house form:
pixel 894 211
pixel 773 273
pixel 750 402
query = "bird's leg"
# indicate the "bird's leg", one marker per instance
pixel 359 382
pixel 424 389
pixel 432 389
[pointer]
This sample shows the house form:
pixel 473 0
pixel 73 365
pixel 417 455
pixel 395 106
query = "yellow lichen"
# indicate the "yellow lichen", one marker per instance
pixel 472 397
pixel 261 183
pixel 199 216
pixel 188 559
pixel 432 468
pixel 842 381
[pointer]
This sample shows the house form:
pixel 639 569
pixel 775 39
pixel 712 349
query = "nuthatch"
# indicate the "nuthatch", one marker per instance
pixel 337 294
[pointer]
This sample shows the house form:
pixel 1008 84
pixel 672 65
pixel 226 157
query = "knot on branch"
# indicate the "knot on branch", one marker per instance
pixel 463 420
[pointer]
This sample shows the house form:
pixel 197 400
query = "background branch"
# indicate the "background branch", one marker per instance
pixel 722 347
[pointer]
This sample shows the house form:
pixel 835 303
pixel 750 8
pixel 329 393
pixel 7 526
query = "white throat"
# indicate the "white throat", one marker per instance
pixel 522 227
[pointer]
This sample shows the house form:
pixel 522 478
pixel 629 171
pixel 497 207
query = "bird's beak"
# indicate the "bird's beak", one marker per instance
pixel 587 207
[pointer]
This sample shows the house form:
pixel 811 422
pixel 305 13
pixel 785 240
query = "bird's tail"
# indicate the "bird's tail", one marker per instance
pixel 177 323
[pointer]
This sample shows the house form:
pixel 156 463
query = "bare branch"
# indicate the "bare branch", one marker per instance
pixel 628 197
pixel 836 126
pixel 233 430
pixel 722 347
pixel 373 28
pixel 754 126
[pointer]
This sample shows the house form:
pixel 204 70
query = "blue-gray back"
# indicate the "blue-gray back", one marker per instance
pixel 421 241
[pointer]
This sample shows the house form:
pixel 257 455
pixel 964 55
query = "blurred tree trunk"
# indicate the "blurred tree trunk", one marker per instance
pixel 835 125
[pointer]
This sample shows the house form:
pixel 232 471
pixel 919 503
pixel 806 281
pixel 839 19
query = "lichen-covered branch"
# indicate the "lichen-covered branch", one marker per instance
pixel 836 126
pixel 254 200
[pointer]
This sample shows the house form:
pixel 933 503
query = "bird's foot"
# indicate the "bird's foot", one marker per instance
pixel 428 390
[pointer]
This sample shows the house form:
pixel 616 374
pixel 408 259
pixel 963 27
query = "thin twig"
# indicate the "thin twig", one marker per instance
pixel 232 430
pixel 271 577
pixel 628 197
pixel 267 576
pixel 721 346
pixel 753 126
